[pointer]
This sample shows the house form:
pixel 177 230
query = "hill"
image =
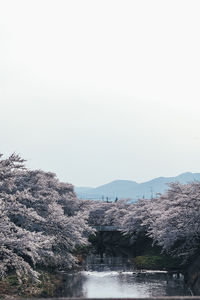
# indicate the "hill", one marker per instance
pixel 133 190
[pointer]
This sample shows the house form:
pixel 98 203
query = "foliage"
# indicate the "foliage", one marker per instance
pixel 45 287
pixel 170 220
pixel 174 220
pixel 40 223
pixel 156 262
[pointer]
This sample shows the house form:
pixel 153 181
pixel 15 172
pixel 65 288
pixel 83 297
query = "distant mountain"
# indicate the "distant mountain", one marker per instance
pixel 133 190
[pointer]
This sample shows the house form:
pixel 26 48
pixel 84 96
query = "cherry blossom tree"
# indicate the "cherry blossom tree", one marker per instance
pixel 40 222
pixel 19 248
pixel 170 220
pixel 174 220
pixel 117 212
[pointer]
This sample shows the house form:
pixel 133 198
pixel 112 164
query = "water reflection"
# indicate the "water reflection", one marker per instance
pixel 71 285
pixel 129 284
pixel 102 284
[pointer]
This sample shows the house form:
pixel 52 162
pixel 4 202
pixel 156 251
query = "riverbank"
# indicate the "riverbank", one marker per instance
pixel 12 287
pixel 156 262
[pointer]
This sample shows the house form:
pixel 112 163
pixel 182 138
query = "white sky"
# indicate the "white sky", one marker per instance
pixel 101 90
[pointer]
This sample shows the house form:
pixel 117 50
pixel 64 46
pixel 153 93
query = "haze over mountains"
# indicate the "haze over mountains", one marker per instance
pixel 131 189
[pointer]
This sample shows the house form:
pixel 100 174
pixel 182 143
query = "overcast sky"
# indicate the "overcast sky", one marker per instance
pixel 101 90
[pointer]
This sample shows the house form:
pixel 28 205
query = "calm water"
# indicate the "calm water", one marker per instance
pixel 127 284
pixel 112 278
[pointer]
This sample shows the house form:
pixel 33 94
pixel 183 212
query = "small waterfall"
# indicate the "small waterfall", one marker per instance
pixel 95 262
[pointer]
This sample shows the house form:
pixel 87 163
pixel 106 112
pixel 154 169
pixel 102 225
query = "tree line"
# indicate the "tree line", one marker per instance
pixel 42 223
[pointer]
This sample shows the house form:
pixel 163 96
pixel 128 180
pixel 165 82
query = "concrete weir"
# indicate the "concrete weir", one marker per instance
pixel 107 228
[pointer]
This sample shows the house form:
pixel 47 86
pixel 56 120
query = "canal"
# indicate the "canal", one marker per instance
pixel 113 277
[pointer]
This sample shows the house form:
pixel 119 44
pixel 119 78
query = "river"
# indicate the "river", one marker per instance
pixel 114 278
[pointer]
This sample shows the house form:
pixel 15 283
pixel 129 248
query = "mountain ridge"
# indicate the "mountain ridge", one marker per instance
pixel 133 190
